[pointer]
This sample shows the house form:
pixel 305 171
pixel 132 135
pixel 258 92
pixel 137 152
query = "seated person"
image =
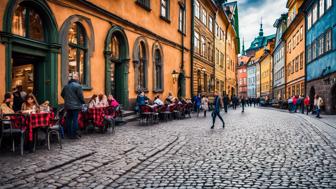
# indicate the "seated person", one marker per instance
pixel 142 99
pixel 93 102
pixel 30 105
pixel 45 107
pixel 7 104
pixel 158 101
pixel 112 101
pixel 102 101
pixel 170 98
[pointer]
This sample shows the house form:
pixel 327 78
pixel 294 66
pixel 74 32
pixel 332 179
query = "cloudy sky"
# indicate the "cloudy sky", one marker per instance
pixel 250 13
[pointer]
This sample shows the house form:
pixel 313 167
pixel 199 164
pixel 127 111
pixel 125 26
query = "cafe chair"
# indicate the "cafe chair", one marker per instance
pixel 11 126
pixel 56 128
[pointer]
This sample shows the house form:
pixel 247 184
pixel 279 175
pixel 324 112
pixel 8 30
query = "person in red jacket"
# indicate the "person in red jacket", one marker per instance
pixel 307 103
pixel 294 104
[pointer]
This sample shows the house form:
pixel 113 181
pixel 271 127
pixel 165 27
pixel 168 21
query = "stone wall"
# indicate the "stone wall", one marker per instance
pixel 323 87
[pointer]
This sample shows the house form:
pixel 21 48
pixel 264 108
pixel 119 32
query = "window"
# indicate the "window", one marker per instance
pixel 294 41
pixel 328 39
pixel 321 7
pixel 210 23
pixel 328 4
pixel 115 48
pixel 314 13
pixel 77 51
pixel 296 60
pixel 165 9
pixel 196 42
pixel 301 61
pixel 289 46
pixel 205 80
pixel 158 70
pixel 27 23
pixel 292 68
pixel 181 26
pixel 203 46
pixel 209 51
pixel 309 53
pixel 144 3
pixel 217 30
pixel 197 9
pixel 301 33
pixel 222 60
pixel 309 20
pixel 142 67
pixel 321 45
pixel 313 49
pixel 217 56
pixel 204 16
pixel 199 84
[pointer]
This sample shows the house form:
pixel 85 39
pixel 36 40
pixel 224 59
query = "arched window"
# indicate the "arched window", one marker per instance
pixel 142 66
pixel 27 23
pixel 77 51
pixel 158 70
pixel 115 48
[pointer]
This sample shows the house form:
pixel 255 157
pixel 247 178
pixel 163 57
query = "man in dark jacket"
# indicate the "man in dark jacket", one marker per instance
pixel 72 94
pixel 216 111
pixel 226 102
pixel 243 102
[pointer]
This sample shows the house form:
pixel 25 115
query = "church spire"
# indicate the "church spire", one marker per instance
pixel 243 46
pixel 261 31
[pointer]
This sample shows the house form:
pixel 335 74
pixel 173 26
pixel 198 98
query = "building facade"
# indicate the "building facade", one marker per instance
pixel 266 79
pixel 251 79
pixel 320 46
pixel 279 59
pixel 203 53
pixel 242 75
pixel 295 49
pixel 113 51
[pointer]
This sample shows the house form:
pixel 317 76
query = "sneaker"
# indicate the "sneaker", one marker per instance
pixel 212 127
pixel 223 125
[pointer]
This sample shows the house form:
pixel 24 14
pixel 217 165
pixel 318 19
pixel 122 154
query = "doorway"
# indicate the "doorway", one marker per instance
pixel 333 98
pixel 117 80
pixel 25 73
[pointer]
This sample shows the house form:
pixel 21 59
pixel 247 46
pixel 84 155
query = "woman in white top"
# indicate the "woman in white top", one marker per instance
pixel 205 104
pixel 93 102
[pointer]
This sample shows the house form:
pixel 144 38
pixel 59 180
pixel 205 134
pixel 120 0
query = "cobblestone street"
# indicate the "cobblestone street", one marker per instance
pixel 260 148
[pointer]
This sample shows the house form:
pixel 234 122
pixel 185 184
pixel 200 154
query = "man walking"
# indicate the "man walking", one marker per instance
pixel 216 111
pixel 72 94
pixel 319 103
pixel 226 102
pixel 242 101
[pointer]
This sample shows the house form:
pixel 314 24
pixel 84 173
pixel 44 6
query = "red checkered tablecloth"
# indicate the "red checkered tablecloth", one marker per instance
pixel 97 115
pixel 38 120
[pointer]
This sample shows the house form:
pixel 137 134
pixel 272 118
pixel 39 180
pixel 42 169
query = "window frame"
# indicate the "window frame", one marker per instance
pixel 166 8
pixel 145 4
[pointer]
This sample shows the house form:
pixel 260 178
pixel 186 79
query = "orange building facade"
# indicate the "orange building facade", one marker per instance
pixel 114 51
pixel 295 48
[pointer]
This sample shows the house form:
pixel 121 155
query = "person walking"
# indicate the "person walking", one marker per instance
pixel 226 102
pixel 72 94
pixel 216 111
pixel 234 102
pixel 205 104
pixel 319 103
pixel 307 103
pixel 243 102
pixel 198 101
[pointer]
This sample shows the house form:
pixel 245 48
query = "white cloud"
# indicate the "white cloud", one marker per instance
pixel 250 14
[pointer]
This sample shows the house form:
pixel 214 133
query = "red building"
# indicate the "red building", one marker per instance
pixel 242 75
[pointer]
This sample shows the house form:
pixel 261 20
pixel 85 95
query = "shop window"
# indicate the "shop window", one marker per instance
pixel 77 52
pixel 27 22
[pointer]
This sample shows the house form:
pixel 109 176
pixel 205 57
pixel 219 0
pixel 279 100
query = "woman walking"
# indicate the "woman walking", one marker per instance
pixel 205 104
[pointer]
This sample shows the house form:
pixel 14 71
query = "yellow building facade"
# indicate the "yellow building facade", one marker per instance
pixel 114 50
pixel 266 75
pixel 295 50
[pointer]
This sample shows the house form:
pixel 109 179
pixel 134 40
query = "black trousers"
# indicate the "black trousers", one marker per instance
pixel 214 115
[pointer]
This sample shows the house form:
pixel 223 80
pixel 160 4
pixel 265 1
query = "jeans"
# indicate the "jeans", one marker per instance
pixel 214 115
pixel 72 122
pixel 318 110
pixel 243 106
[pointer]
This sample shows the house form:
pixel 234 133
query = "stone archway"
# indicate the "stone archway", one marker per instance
pixel 117 64
pixel 333 98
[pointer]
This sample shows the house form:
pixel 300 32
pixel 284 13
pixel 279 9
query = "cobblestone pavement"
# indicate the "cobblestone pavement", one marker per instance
pixel 257 149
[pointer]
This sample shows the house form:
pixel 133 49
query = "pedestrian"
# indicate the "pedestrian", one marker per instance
pixel 302 106
pixel 295 100
pixel 72 94
pixel 205 104
pixel 216 111
pixel 234 102
pixel 226 102
pixel 198 101
pixel 19 98
pixel 290 104
pixel 254 102
pixel 243 102
pixel 307 103
pixel 319 103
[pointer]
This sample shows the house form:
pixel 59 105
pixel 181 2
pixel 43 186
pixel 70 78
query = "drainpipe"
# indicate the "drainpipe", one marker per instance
pixel 225 55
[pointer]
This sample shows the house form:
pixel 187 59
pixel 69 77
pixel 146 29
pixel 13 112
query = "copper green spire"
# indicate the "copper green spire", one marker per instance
pixel 261 31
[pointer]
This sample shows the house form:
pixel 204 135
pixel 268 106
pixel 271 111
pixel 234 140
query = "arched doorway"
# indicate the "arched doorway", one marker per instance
pixel 311 96
pixel 333 98
pixel 116 65
pixel 31 48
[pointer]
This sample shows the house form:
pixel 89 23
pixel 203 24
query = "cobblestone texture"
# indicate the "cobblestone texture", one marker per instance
pixel 257 149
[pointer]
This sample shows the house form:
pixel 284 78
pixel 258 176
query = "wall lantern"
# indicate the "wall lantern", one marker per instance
pixel 175 75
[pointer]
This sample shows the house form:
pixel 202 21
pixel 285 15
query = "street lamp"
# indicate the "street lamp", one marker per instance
pixel 175 75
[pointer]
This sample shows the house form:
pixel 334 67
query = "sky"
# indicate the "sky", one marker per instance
pixel 250 13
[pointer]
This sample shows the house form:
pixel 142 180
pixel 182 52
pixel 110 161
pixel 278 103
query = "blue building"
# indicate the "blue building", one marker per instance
pixel 320 17
pixel 251 79
pixel 279 57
